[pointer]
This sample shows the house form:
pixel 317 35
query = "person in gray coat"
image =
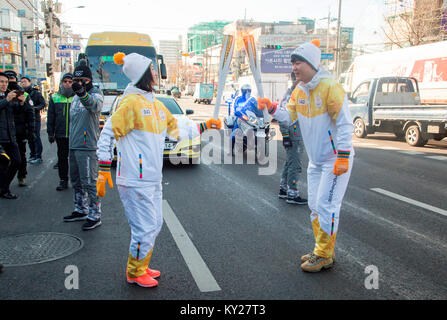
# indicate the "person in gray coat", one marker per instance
pixel 85 110
pixel 293 143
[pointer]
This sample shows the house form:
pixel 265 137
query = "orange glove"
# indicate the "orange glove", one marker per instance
pixel 210 124
pixel 265 102
pixel 342 163
pixel 104 175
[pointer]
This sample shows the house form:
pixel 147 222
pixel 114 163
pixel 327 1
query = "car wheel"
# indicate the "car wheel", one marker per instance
pixel 413 136
pixel 359 128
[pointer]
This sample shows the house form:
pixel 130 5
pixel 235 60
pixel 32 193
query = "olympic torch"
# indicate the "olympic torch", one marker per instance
pixel 224 66
pixel 250 48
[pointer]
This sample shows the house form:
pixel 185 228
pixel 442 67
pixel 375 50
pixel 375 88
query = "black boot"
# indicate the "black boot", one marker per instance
pixel 63 184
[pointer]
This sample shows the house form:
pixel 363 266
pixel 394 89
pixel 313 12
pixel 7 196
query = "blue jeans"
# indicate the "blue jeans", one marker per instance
pixel 36 145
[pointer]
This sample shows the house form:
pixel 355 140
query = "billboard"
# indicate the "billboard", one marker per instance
pixel 276 61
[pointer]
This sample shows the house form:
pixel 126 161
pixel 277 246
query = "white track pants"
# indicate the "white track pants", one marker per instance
pixel 325 195
pixel 143 211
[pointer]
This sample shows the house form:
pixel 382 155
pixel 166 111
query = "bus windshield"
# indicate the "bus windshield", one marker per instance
pixel 108 75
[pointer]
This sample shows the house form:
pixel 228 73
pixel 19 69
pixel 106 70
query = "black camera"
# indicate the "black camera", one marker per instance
pixel 14 86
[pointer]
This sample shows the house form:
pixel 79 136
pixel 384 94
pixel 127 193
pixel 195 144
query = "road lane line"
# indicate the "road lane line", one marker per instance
pixel 413 153
pixel 411 201
pixel 442 158
pixel 47 165
pixel 388 148
pixel 199 270
pixel 360 144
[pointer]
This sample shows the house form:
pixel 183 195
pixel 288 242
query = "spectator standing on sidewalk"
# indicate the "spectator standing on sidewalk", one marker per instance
pixel 38 105
pixel 10 150
pixel 24 123
pixel 84 132
pixel 58 126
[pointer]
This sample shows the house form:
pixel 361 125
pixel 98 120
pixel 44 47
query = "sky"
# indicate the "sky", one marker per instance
pixel 167 19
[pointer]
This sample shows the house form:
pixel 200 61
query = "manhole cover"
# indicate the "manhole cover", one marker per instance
pixel 34 248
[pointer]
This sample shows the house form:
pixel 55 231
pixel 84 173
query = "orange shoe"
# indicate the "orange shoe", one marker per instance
pixel 144 281
pixel 152 272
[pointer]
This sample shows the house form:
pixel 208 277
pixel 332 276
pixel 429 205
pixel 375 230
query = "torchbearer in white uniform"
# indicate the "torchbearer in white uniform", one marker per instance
pixel 139 127
pixel 320 105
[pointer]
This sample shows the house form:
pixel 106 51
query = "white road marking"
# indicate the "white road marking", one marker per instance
pixel 42 172
pixel 359 144
pixel 442 158
pixel 199 270
pixel 410 201
pixel 388 148
pixel 413 153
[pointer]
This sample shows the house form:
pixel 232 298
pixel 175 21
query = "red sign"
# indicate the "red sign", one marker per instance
pixel 430 70
pixel 6 46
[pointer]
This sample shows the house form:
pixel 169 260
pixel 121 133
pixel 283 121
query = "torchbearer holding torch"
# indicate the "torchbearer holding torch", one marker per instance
pixel 320 105
pixel 139 127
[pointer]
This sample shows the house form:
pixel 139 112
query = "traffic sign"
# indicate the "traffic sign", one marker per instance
pixel 327 56
pixel 68 47
pixel 63 54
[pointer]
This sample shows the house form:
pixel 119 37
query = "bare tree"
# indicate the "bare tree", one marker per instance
pixel 414 26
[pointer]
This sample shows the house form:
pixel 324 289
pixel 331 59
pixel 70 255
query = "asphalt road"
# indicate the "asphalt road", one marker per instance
pixel 240 240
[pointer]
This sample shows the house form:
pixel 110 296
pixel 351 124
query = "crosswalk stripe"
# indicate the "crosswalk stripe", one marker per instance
pixel 410 201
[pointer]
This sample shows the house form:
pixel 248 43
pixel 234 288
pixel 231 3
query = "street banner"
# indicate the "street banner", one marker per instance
pixel 250 48
pixel 226 55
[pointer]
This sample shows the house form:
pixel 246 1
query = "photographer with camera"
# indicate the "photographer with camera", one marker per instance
pixel 38 104
pixel 10 157
pixel 24 123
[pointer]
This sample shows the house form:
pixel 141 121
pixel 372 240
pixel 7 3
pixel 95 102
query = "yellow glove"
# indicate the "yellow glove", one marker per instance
pixel 210 124
pixel 342 163
pixel 104 175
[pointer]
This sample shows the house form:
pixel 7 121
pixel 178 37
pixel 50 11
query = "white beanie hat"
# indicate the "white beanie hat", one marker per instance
pixel 135 65
pixel 309 52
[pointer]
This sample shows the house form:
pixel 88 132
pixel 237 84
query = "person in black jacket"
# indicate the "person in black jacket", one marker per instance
pixel 58 126
pixel 38 105
pixel 24 123
pixel 8 136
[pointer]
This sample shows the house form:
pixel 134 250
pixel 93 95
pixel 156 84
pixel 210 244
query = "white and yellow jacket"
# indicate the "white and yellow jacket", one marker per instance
pixel 321 107
pixel 139 126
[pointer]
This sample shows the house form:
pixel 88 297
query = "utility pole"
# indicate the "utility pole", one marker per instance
pixel 337 72
pixel 22 56
pixel 3 51
pixel 50 12
pixel 37 44
pixel 327 34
